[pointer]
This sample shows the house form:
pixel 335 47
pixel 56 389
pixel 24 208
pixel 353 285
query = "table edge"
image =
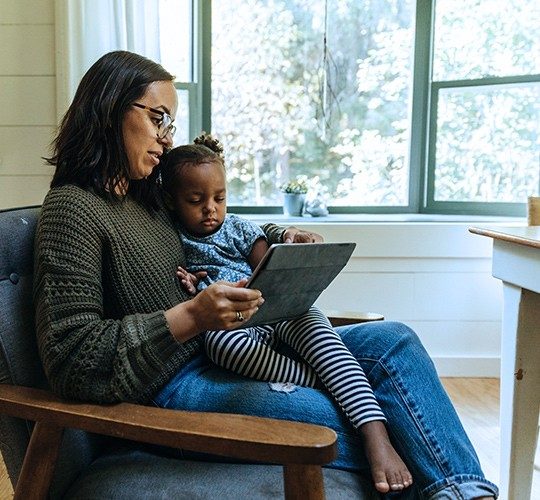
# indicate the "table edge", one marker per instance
pixel 501 235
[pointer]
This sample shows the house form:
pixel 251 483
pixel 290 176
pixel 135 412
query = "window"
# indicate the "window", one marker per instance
pixel 177 37
pixel 485 116
pixel 314 88
pixel 388 106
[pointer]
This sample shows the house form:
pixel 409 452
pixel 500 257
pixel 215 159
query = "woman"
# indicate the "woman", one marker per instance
pixel 114 324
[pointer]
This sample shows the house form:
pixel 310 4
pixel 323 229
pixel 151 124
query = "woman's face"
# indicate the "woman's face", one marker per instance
pixel 200 199
pixel 140 128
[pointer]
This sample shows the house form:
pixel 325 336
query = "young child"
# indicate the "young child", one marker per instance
pixel 221 246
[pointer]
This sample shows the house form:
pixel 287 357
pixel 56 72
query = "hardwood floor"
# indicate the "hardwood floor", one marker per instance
pixel 6 491
pixel 476 401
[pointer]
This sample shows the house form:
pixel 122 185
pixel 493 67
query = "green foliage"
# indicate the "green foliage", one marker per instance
pixel 281 113
pixel 296 186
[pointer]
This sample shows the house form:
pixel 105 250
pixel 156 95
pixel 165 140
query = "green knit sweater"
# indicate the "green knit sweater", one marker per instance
pixel 105 272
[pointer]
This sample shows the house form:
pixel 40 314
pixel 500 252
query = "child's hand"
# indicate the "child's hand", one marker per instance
pixel 294 235
pixel 189 280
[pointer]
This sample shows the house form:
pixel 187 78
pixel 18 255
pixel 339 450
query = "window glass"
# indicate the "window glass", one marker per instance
pixel 285 103
pixel 182 118
pixel 488 143
pixel 478 38
pixel 175 35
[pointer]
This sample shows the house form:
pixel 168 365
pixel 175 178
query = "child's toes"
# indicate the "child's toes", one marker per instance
pixel 396 485
pixel 400 480
pixel 381 484
pixel 407 478
pixel 396 481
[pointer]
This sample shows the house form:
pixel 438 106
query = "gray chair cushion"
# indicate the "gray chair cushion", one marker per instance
pixel 19 359
pixel 133 474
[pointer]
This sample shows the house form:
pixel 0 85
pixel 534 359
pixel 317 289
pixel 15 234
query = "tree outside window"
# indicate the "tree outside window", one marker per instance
pixel 405 105
pixel 307 88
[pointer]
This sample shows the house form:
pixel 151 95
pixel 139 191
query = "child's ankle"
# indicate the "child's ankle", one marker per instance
pixel 374 430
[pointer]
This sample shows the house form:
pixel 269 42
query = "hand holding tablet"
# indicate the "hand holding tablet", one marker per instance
pixel 291 278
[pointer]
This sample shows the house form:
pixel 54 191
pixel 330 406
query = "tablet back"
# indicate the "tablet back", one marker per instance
pixel 292 276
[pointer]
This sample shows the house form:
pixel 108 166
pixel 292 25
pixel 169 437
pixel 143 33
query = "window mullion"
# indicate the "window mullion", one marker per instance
pixel 204 53
pixel 490 80
pixel 423 48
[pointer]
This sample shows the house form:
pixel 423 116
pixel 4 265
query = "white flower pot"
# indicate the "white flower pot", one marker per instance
pixel 293 204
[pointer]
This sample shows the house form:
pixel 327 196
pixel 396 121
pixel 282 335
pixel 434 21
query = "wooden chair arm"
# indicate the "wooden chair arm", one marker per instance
pixel 341 318
pixel 236 436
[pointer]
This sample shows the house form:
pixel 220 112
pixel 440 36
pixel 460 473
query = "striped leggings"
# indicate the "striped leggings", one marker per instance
pixel 252 352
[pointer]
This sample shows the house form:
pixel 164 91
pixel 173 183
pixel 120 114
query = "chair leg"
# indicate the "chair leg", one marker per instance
pixel 38 467
pixel 303 482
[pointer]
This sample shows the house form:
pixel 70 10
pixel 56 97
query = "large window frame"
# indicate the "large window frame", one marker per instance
pixel 198 85
pixel 423 135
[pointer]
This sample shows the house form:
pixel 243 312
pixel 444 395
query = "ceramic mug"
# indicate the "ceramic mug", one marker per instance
pixel 533 211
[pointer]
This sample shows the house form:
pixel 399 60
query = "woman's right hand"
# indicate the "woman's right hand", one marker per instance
pixel 220 306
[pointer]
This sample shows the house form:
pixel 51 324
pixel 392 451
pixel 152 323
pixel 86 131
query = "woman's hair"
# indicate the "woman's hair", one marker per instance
pixel 205 149
pixel 88 150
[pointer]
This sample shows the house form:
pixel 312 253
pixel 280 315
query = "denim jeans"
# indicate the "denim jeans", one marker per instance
pixel 422 423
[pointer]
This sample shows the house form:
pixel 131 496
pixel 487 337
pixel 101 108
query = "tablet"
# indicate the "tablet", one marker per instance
pixel 292 276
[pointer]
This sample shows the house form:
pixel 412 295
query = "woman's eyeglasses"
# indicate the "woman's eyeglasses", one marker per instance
pixel 165 125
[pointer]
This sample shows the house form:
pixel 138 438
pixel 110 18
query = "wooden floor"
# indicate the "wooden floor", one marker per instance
pixel 477 402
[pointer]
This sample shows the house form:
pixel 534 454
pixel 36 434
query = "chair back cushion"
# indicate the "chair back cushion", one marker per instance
pixel 19 358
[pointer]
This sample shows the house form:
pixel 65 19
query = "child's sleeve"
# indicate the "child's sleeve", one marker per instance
pixel 246 234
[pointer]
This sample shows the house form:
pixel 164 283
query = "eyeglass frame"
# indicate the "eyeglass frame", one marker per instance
pixel 167 129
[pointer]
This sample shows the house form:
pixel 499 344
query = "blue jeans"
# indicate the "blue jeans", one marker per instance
pixel 422 423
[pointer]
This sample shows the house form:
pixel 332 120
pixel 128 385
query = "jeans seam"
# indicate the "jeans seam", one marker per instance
pixel 453 484
pixel 456 492
pixel 395 382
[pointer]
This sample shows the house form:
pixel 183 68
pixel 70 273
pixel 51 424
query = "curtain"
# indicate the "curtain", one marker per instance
pixel 87 29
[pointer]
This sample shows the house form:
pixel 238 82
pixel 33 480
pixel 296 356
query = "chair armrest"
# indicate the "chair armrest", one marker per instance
pixel 237 436
pixel 340 318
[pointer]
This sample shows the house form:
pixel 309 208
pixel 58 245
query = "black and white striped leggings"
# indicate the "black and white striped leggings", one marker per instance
pixel 251 352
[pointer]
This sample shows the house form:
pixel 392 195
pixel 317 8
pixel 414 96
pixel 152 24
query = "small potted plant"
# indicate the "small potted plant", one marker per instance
pixel 294 193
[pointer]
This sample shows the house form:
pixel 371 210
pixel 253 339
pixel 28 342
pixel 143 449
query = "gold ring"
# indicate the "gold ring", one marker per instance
pixel 239 316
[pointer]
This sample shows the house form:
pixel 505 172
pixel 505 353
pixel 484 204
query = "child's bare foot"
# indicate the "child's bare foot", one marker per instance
pixel 389 472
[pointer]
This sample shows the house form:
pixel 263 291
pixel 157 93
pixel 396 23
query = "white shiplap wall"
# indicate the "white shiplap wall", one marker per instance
pixel 434 277
pixel 27 99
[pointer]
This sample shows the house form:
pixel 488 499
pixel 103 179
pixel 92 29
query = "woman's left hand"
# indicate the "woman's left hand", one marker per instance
pixel 294 235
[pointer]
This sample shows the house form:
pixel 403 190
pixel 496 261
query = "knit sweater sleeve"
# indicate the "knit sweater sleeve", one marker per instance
pixel 86 353
pixel 273 232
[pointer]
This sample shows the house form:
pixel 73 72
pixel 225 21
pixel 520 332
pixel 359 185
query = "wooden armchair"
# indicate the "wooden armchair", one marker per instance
pixel 58 462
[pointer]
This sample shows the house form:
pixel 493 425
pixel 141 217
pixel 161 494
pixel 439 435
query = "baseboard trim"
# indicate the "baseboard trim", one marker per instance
pixel 467 367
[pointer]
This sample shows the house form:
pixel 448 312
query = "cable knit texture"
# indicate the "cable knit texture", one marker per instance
pixel 105 272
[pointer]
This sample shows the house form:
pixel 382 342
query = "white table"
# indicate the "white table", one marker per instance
pixel 516 261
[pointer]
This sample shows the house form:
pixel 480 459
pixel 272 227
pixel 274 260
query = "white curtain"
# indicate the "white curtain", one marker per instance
pixel 87 29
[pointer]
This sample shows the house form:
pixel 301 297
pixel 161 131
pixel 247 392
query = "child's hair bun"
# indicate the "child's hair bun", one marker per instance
pixel 210 142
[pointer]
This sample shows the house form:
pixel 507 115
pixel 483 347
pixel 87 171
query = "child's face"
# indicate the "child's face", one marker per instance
pixel 200 199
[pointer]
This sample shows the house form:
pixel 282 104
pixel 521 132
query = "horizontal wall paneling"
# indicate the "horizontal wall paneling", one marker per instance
pixel 27 50
pixel 26 11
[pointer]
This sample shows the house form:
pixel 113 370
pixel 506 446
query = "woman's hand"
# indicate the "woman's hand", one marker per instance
pixel 294 235
pixel 221 306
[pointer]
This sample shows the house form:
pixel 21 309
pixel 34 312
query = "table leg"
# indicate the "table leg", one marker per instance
pixel 520 390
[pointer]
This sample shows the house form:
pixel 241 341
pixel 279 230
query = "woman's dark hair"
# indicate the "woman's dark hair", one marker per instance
pixel 88 150
pixel 205 149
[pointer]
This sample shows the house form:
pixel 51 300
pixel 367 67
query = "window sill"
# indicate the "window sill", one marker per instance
pixel 385 218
